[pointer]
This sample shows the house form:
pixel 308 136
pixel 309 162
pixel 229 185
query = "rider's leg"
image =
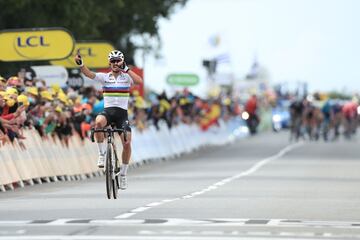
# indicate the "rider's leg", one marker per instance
pixel 100 122
pixel 126 153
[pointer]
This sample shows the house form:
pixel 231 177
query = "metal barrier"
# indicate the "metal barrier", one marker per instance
pixel 48 160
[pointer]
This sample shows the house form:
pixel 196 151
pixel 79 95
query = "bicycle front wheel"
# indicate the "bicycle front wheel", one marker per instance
pixel 108 171
pixel 115 179
pixel 115 187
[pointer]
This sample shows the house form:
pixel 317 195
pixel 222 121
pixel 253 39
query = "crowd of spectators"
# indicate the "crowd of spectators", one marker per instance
pixel 59 113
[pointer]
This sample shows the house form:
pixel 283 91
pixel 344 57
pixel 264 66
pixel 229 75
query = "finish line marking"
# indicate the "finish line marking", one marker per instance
pixel 214 186
pixel 212 222
pixel 181 236
pixel 194 235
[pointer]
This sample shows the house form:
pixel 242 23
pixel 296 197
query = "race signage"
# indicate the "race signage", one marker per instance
pixel 51 74
pixel 94 54
pixel 35 44
pixel 182 79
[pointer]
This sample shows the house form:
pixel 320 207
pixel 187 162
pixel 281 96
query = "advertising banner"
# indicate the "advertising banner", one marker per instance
pixel 181 79
pixel 94 54
pixel 51 74
pixel 35 44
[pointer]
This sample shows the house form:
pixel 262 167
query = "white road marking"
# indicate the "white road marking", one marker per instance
pixel 187 196
pixel 143 237
pixel 11 232
pixel 190 235
pixel 231 219
pixel 154 204
pixel 214 186
pixel 169 200
pixel 211 222
pixel 16 222
pixel 125 215
pixel 140 209
pixel 61 221
pixel 327 234
pixel 180 221
pixel 246 234
pixel 102 222
pixel 274 222
pixel 88 237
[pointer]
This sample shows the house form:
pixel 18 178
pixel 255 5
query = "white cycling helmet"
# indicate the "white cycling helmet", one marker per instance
pixel 116 54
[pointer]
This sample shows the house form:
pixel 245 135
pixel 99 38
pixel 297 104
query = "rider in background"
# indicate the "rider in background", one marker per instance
pixel 328 118
pixel 336 109
pixel 309 119
pixel 349 111
pixel 116 91
pixel 296 113
pixel 251 107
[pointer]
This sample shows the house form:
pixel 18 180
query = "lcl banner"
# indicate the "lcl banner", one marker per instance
pixel 35 44
pixel 94 54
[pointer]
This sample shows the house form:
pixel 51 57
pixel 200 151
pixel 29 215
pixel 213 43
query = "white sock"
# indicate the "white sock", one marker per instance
pixel 123 169
pixel 102 148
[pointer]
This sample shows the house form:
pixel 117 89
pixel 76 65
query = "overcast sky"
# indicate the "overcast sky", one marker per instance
pixel 309 40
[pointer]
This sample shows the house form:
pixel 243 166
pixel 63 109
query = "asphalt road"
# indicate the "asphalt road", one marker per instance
pixel 263 187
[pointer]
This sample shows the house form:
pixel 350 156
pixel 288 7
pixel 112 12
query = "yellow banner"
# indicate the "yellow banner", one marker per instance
pixel 35 44
pixel 94 54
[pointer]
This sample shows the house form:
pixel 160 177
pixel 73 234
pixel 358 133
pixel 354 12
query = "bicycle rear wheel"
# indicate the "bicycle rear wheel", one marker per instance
pixel 108 171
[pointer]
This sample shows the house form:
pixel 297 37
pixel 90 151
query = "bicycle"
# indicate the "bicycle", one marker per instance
pixel 112 166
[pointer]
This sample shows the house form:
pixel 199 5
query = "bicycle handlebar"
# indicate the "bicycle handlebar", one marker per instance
pixel 108 130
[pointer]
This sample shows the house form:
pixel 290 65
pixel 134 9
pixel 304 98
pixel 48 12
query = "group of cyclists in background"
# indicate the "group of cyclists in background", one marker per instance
pixel 327 120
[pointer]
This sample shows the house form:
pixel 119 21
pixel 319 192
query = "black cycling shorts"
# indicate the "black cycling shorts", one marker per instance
pixel 116 116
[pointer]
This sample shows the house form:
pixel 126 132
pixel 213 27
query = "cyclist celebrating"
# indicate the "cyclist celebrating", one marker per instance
pixel 116 91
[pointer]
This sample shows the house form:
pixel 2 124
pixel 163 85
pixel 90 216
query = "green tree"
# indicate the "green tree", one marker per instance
pixel 117 21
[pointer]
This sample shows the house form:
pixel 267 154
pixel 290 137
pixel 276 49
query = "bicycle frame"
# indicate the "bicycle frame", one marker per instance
pixel 112 168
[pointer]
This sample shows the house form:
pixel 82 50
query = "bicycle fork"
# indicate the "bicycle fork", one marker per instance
pixel 115 162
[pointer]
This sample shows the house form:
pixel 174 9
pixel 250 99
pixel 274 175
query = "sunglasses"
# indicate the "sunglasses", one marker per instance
pixel 115 61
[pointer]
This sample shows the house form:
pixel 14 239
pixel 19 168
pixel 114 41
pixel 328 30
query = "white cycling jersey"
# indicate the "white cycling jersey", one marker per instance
pixel 116 92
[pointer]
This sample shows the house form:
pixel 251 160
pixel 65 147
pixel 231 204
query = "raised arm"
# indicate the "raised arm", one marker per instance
pixel 136 78
pixel 86 71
